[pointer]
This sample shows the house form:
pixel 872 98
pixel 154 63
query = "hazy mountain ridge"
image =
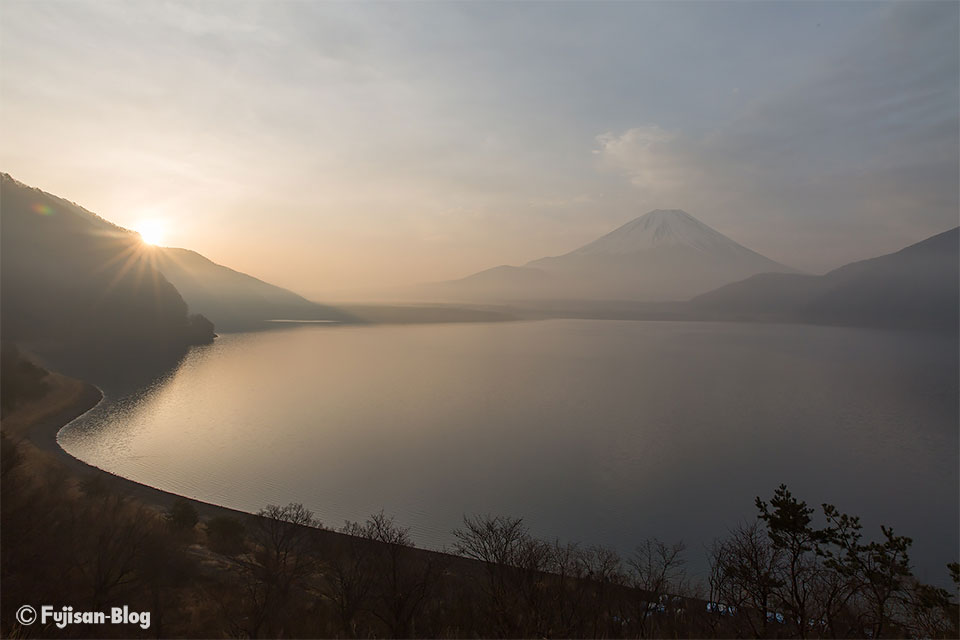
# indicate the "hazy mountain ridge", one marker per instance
pixel 665 255
pixel 916 287
pixel 234 300
pixel 73 282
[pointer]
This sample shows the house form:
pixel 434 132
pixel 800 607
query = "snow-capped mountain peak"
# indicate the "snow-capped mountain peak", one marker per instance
pixel 658 228
pixel 665 255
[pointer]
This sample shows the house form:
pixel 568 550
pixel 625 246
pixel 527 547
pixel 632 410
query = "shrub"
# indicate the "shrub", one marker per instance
pixel 226 535
pixel 182 516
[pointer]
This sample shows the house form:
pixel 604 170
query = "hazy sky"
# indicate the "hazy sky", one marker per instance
pixel 326 146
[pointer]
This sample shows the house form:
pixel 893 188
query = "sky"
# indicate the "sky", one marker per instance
pixel 336 148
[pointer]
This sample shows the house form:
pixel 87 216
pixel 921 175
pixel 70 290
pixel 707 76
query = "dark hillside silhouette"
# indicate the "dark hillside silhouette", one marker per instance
pixel 917 287
pixel 77 288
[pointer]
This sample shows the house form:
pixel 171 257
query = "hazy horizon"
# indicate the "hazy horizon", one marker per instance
pixel 332 147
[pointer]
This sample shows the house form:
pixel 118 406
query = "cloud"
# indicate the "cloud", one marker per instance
pixel 649 156
pixel 863 151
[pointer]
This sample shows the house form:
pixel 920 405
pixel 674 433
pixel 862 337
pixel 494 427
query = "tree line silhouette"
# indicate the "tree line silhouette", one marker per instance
pixel 282 574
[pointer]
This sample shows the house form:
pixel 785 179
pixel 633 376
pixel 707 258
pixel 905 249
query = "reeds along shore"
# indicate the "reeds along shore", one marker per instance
pixel 77 536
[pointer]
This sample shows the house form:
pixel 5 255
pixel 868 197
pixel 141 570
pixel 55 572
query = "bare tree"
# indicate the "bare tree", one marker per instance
pixel 569 589
pixel 349 578
pixel 530 584
pixel 723 600
pixel 497 542
pixel 657 571
pixel 281 559
pixel 925 612
pixel 284 538
pixel 403 579
pixel 111 535
pixel 605 575
pixel 748 565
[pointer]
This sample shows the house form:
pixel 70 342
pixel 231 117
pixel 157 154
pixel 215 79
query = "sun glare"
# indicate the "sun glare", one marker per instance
pixel 151 231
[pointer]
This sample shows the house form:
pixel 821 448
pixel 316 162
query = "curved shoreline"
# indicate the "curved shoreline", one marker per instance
pixel 44 435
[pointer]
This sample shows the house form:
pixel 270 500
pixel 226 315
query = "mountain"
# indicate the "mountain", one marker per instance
pixel 235 301
pixel 665 255
pixel 917 287
pixel 74 283
pixel 498 283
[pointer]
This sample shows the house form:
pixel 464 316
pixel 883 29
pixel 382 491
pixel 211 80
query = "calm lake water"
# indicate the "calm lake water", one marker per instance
pixel 604 432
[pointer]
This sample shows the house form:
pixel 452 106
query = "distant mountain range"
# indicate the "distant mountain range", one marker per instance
pixel 74 282
pixel 917 287
pixel 665 255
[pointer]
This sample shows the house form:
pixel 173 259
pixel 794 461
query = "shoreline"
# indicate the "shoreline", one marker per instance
pixel 43 435
pixel 72 399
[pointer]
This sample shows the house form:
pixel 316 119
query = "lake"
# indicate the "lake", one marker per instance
pixel 604 432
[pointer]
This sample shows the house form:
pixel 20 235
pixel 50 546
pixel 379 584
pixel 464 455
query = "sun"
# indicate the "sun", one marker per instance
pixel 151 231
